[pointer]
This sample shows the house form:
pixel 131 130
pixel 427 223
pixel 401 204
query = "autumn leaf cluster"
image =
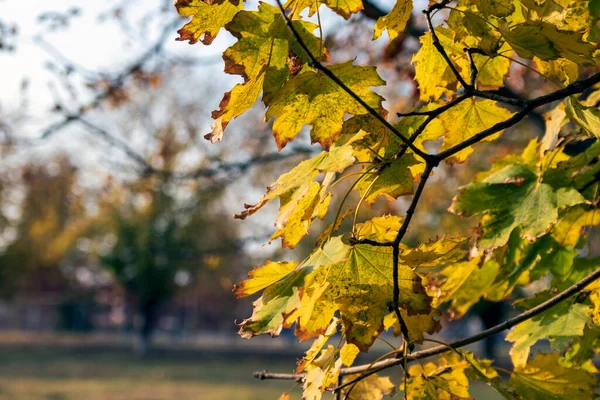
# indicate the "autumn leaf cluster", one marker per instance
pixel 534 210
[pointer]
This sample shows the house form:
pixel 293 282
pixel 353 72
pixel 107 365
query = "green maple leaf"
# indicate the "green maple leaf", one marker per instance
pixel 560 322
pixel 513 197
pixel 394 22
pixel 312 98
pixel 583 350
pixel 207 18
pixel 261 55
pixel 544 378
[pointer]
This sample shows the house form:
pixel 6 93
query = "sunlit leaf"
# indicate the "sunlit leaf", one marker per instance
pixel 314 99
pixel 445 380
pixel 207 18
pixel 394 22
pixel 467 119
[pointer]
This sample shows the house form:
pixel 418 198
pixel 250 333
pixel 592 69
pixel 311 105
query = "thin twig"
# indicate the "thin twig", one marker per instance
pixel 438 45
pixel 470 51
pixel 434 114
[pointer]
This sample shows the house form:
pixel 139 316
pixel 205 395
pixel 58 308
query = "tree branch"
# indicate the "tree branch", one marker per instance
pixel 396 250
pixel 438 45
pixel 509 323
pixel 317 65
pixel 574 88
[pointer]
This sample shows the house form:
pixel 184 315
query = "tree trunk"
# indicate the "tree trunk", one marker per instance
pixel 149 311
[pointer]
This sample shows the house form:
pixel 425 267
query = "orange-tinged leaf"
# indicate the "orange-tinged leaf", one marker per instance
pixel 317 346
pixel 261 57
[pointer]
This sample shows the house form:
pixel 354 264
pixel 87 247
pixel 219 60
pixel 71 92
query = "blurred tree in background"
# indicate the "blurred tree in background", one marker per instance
pixel 164 234
pixel 45 225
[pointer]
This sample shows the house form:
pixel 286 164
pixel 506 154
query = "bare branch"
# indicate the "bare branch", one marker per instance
pixel 115 83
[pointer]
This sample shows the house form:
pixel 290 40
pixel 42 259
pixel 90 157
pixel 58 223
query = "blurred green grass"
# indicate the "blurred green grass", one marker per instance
pixel 45 369
pixel 54 367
